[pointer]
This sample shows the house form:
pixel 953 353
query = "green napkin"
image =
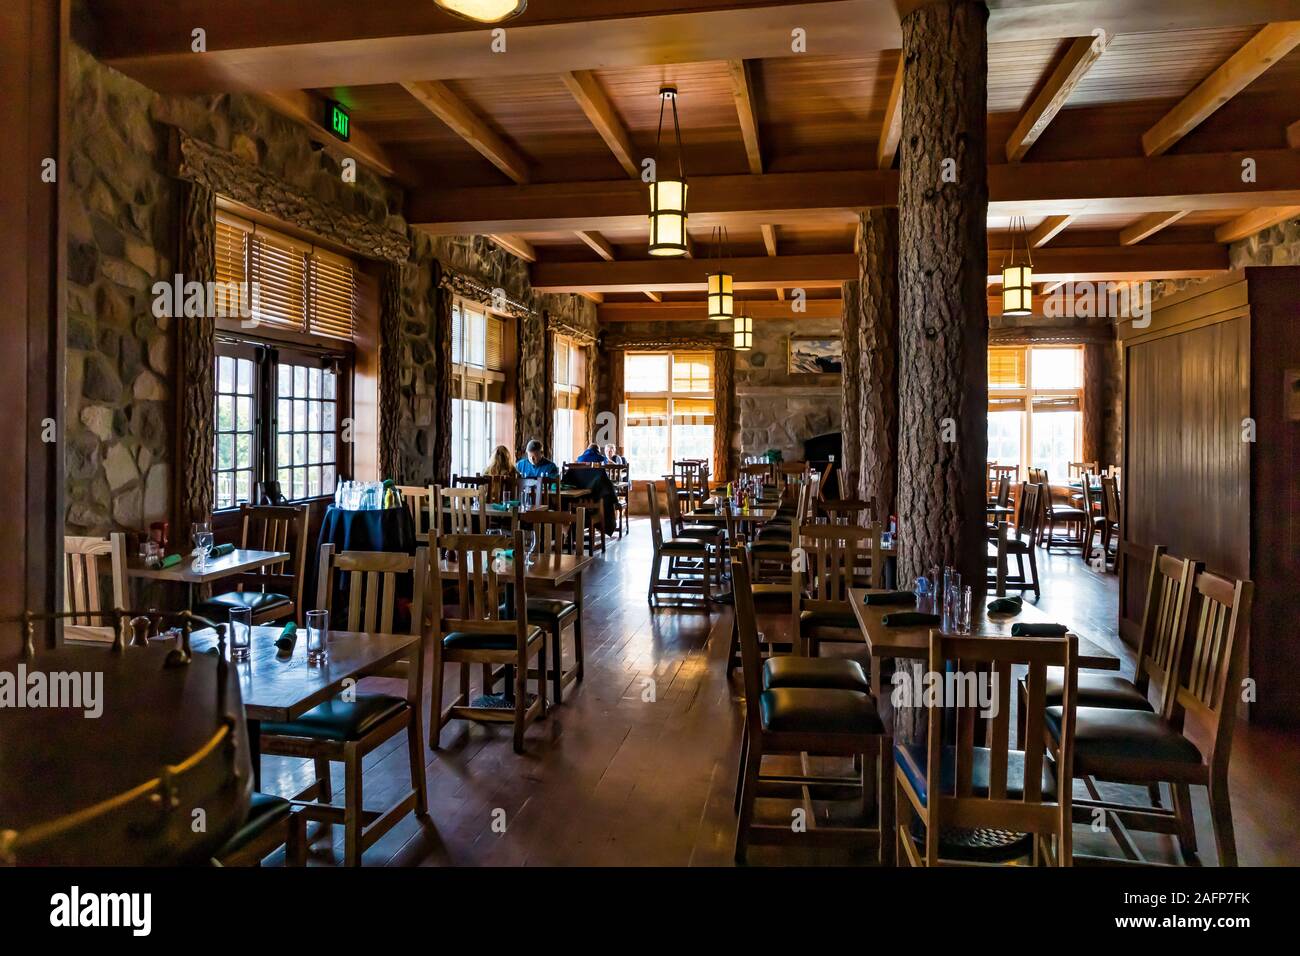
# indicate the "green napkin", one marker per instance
pixel 287 638
pixel 890 597
pixel 170 561
pixel 221 550
pixel 1039 630
pixel 908 619
pixel 1007 605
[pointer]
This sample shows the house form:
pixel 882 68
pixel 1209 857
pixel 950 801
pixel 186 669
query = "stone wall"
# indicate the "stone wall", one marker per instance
pixel 778 410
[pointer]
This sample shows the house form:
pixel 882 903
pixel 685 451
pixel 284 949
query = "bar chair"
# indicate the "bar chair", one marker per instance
pixel 274 592
pixel 351 725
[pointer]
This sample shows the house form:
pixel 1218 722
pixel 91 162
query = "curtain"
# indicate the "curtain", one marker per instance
pixel 196 347
pixel 724 405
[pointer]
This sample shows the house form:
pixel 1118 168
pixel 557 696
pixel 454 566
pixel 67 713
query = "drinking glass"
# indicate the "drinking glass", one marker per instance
pixel 964 604
pixel 241 633
pixel 201 531
pixel 530 546
pixel 318 633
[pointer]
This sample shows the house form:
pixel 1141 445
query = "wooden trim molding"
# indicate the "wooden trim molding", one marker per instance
pixel 468 287
pixel 225 173
pixel 627 342
pixel 580 334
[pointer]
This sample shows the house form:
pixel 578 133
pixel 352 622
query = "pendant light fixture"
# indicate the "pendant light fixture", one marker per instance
pixel 722 299
pixel 742 330
pixel 483 11
pixel 1018 276
pixel 668 193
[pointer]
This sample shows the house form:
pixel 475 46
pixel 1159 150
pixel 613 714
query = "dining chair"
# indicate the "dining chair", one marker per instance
pixel 1110 509
pixel 677 524
pixel 1059 508
pixel 594 516
pixel 691 561
pixel 773 547
pixel 351 725
pixel 416 498
pixel 273 592
pixel 778 597
pixel 618 478
pixel 963 803
pixel 1077 469
pixel 818 722
pixel 1021 544
pixel 792 472
pixel 81 584
pixel 849 511
pixel 1095 522
pixel 1187 744
pixel 831 559
pixel 272 822
pixel 490 627
pixel 458 510
pixel 557 533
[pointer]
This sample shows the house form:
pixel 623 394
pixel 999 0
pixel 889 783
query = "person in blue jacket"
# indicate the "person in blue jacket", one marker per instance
pixel 534 464
pixel 592 455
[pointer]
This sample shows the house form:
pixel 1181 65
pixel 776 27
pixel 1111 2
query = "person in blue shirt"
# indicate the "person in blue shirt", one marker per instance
pixel 592 455
pixel 534 464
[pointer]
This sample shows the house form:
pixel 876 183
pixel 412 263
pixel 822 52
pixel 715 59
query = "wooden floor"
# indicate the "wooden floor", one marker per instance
pixel 637 767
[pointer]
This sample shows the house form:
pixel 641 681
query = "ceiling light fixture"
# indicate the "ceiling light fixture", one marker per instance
pixel 668 193
pixel 483 11
pixel 1018 277
pixel 722 299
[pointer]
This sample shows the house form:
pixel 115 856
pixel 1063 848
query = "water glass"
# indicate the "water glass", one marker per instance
pixel 530 546
pixel 202 532
pixel 963 610
pixel 241 633
pixel 318 633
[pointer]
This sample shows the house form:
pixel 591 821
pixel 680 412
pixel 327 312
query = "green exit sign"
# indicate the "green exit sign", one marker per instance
pixel 337 120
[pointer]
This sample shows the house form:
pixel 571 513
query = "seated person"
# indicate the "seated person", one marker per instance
pixel 534 464
pixel 500 466
pixel 592 455
pixel 613 457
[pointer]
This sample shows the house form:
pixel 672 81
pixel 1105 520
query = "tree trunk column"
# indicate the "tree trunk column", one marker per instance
pixel 878 358
pixel 943 200
pixel 850 391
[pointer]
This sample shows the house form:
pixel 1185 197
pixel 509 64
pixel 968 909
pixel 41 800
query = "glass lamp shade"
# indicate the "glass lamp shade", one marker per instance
pixel 668 217
pixel 742 333
pixel 722 303
pixel 1017 290
pixel 483 11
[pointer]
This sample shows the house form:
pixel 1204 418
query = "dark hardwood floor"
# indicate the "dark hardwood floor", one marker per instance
pixel 637 766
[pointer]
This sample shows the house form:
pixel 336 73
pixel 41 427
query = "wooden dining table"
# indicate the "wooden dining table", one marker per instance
pixel 238 561
pixel 914 642
pixel 281 688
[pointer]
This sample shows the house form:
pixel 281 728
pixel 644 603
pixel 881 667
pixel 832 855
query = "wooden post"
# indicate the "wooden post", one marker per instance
pixel 878 357
pixel 943 199
pixel 851 384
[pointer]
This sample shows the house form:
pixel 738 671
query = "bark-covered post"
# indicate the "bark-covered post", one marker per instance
pixel 943 269
pixel 878 358
pixel 851 383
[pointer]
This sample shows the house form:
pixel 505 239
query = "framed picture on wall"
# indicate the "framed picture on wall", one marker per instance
pixel 816 355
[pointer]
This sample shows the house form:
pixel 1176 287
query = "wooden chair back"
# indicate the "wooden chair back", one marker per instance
pixel 761 470
pixel 833 558
pixel 656 529
pixel 371 581
pixel 824 482
pixel 1031 511
pixel 481 581
pixel 558 532
pixel 1038 476
pixel 417 499
pixel 1214 663
pixel 1110 499
pixel 463 507
pixel 529 492
pixel 751 661
pixel 791 472
pixel 470 481
pixel 1091 499
pixel 952 723
pixel 849 511
pixel 675 520
pixel 275 528
pixel 1077 469
pixel 81 583
pixel 1164 621
pixel 1003 496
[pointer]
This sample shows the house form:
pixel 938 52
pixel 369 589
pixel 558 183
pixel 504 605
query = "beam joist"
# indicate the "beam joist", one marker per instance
pixel 516 246
pixel 892 129
pixel 695 311
pixel 597 243
pixel 1149 225
pixel 586 89
pixel 439 100
pixel 1048 229
pixel 1252 222
pixel 310 111
pixel 1082 53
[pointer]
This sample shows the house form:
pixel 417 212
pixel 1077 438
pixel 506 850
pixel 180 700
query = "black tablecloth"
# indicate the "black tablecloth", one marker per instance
pixel 389 529
pixel 602 490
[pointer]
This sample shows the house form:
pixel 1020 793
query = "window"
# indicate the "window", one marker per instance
pixel 669 410
pixel 569 400
pixel 1036 407
pixel 306 443
pixel 235 433
pixel 478 411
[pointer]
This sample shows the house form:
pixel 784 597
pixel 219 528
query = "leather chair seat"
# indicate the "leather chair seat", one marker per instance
pixel 1095 690
pixel 265 810
pixel 550 608
pixel 771 546
pixel 911 759
pixel 218 606
pixel 473 641
pixel 844 621
pixel 340 720
pixel 691 545
pixel 831 673
pixel 1109 733
pixel 699 532
pixel 1068 513
pixel 804 710
pixel 774 534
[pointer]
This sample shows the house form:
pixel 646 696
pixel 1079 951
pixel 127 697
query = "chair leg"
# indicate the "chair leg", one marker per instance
pixel 1221 816
pixel 734 649
pixel 885 790
pixel 748 795
pixel 654 579
pixel 351 806
pixel 557 665
pixel 577 646
pixel 1186 822
pixel 324 791
pixel 740 767
pixel 521 696
pixel 415 753
pixel 1033 568
pixel 435 701
pixel 295 844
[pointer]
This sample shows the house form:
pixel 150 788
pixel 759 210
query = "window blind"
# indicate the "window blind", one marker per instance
pixel 494 352
pixel 1007 368
pixel 278 265
pixel 692 411
pixel 692 371
pixel 647 411
pixel 1056 403
pixel 333 293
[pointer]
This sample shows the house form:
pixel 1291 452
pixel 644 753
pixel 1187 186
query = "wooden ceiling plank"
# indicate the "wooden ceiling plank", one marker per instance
pixel 1082 53
pixel 310 111
pixel 1260 52
pixel 586 89
pixel 1252 222
pixel 597 243
pixel 1149 225
pixel 439 100
pixel 892 129
pixel 1046 230
pixel 516 245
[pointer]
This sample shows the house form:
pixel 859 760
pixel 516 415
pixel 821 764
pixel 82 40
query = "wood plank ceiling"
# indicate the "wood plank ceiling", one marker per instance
pixel 1119 138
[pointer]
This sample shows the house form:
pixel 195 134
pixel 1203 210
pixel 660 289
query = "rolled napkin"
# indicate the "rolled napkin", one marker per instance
pixel 288 637
pixel 890 597
pixel 1039 630
pixel 170 561
pixel 221 550
pixel 908 619
pixel 1007 605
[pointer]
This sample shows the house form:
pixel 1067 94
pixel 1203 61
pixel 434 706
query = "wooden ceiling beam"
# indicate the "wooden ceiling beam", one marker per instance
pixel 308 109
pixel 1252 222
pixel 586 89
pixel 1260 52
pixel 742 91
pixel 695 311
pixel 1082 53
pixel 654 296
pixel 1149 225
pixel 516 246
pixel 1048 229
pixel 597 243
pixel 892 128
pixel 1293 135
pixel 438 99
